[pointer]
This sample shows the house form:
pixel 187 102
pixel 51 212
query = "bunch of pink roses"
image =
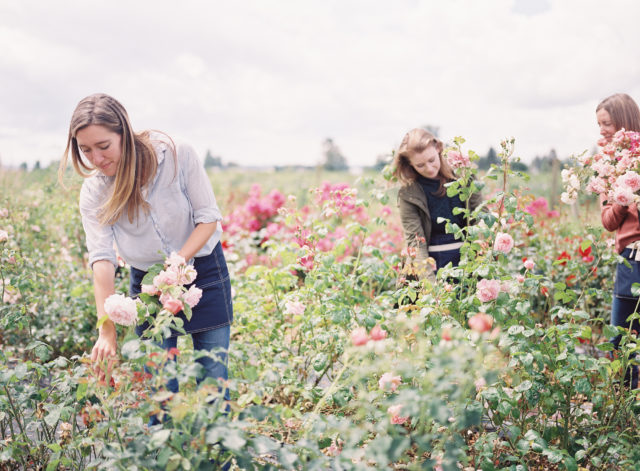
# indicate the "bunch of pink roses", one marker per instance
pixel 166 281
pixel 169 282
pixel 613 172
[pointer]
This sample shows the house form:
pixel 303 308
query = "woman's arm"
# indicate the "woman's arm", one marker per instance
pixel 103 287
pixel 612 215
pixel 414 235
pixel 200 235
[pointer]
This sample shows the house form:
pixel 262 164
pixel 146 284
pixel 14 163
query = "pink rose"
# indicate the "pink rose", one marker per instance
pixel 520 278
pixel 175 259
pixel 149 289
pixel 165 278
pixel 388 381
pixel 121 309
pixel 630 179
pixel 4 235
pixel 529 264
pixel 457 159
pixel 295 308
pixel 396 418
pixel 378 333
pixel 4 212
pixel 623 195
pixel 488 290
pixel 503 243
pixel 171 304
pixel 11 295
pixel 192 296
pixel 481 322
pixel 359 336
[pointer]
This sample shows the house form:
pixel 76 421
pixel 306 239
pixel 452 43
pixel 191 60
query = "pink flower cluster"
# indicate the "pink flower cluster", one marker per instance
pixel 389 382
pixel 504 243
pixel 359 335
pixel 121 309
pixel 169 285
pixel 540 208
pixel 488 290
pixel 256 212
pixel 613 171
pixel 457 159
pixel 395 417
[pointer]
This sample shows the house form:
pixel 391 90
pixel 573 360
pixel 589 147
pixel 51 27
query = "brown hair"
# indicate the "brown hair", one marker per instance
pixel 623 110
pixel 415 142
pixel 138 162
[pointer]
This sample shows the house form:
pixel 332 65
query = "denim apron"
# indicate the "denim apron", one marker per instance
pixel 625 277
pixel 215 308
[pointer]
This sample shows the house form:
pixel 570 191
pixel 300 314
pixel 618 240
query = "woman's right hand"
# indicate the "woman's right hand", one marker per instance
pixel 103 355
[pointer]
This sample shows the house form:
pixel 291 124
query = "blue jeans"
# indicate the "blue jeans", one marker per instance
pixel 621 309
pixel 216 340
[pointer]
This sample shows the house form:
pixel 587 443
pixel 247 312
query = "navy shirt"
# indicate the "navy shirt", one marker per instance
pixel 440 206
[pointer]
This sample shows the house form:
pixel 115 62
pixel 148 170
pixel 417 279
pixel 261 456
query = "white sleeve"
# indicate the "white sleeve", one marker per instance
pixel 99 237
pixel 197 187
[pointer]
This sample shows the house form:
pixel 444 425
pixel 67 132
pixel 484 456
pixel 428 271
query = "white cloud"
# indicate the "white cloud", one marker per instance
pixel 260 82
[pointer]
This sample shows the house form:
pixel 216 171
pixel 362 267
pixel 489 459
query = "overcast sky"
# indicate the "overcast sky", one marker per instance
pixel 265 82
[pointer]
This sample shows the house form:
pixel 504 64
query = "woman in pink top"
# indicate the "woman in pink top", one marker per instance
pixel 617 112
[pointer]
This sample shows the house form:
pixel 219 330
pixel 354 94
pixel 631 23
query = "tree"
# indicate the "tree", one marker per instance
pixel 24 167
pixel 484 163
pixel 333 159
pixel 37 165
pixel 211 161
pixel 381 161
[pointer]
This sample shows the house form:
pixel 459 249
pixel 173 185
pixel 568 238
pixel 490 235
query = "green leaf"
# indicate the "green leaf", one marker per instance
pixel 101 321
pixel 233 440
pixel 158 439
pixel 635 289
pixel 81 392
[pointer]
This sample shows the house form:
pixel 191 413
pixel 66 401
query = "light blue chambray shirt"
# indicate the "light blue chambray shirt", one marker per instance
pixel 179 198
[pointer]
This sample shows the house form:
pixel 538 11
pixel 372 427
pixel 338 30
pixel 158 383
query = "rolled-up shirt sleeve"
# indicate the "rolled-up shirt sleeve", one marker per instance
pixel 99 237
pixel 198 187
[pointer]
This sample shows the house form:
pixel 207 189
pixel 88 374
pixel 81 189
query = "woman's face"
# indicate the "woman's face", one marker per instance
pixel 427 162
pixel 607 128
pixel 101 146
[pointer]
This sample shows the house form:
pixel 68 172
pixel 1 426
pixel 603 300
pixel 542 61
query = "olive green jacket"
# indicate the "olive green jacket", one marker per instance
pixel 416 219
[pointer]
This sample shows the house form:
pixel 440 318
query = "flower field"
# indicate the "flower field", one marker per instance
pixel 338 359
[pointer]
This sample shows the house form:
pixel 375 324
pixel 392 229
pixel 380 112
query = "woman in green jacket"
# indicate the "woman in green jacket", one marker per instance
pixel 422 199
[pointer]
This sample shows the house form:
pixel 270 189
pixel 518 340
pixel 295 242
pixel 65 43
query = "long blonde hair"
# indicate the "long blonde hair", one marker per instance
pixel 414 142
pixel 138 162
pixel 623 110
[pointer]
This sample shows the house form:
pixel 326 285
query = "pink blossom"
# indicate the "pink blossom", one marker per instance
pixel 623 195
pixel 488 290
pixel 388 381
pixel 295 308
pixel 378 333
pixel 481 322
pixel 121 309
pixel 4 235
pixel 529 264
pixel 520 278
pixel 596 185
pixel 457 159
pixel 149 289
pixel 165 278
pixel 175 259
pixel 192 296
pixel 396 418
pixel 359 336
pixel 630 179
pixel 4 212
pixel 171 304
pixel 35 228
pixel 503 243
